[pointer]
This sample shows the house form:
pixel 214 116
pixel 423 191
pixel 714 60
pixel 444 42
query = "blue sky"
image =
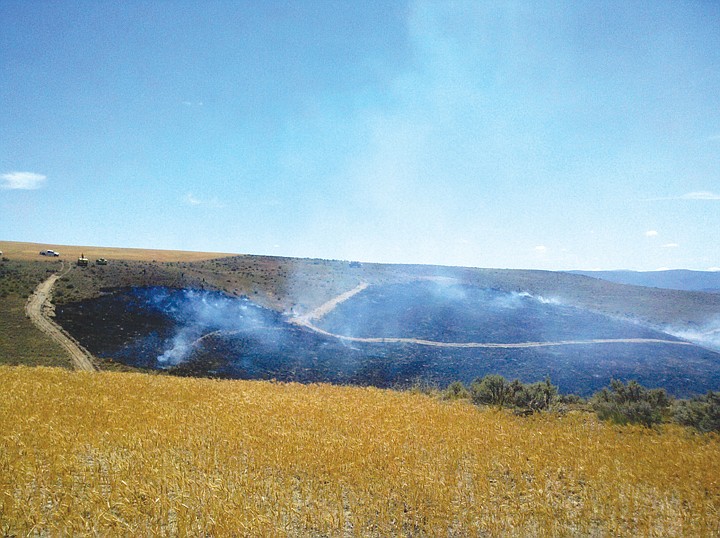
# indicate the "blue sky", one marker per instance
pixel 548 135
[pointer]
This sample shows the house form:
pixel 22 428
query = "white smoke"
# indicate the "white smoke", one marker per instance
pixel 515 299
pixel 181 347
pixel 201 313
pixel 708 335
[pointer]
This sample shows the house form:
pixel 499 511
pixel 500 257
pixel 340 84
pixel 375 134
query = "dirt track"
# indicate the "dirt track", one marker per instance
pixel 307 322
pixel 327 307
pixel 38 308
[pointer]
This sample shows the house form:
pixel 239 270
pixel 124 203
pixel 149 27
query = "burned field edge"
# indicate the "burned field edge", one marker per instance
pixel 299 285
pixel 282 351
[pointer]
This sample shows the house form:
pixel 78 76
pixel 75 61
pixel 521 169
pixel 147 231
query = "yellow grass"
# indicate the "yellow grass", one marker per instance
pixel 115 454
pixel 16 250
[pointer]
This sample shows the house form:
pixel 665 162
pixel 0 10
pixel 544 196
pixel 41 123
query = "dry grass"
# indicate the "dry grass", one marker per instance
pixel 15 250
pixel 139 455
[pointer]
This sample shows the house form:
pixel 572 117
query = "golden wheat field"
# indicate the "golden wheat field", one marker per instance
pixel 17 250
pixel 117 454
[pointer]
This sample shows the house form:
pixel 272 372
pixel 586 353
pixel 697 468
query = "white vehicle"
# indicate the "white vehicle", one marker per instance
pixel 49 253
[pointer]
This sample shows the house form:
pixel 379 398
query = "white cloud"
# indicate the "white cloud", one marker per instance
pixel 713 269
pixel 190 199
pixel 670 245
pixel 651 233
pixel 22 180
pixel 541 248
pixel 700 195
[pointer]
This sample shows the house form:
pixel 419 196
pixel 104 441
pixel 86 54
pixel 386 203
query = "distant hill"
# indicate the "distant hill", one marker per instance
pixel 679 279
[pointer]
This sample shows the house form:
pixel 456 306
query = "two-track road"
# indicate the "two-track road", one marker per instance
pixel 38 308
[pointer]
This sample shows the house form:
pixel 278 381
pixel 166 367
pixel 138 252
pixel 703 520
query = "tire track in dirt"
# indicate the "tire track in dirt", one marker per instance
pixel 39 309
pixel 324 309
pixel 329 306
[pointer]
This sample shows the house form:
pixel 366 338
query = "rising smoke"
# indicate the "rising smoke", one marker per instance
pixel 199 313
pixel 708 335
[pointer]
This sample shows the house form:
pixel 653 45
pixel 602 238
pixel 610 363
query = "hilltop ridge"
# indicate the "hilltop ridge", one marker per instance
pixel 229 316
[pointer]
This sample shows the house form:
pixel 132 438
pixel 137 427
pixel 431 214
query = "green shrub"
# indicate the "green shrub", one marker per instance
pixel 492 389
pixel 631 404
pixel 456 391
pixel 535 396
pixel 572 399
pixel 701 412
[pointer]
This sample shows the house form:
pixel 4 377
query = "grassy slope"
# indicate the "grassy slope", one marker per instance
pixel 20 341
pixel 23 268
pixel 291 283
pixel 283 283
pixel 130 454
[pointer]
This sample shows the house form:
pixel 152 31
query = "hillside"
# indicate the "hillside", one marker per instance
pixel 126 454
pixel 242 317
pixel 283 283
pixel 708 281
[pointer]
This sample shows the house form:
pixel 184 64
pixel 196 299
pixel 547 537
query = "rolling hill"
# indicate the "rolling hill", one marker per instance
pixel 708 281
pixel 257 317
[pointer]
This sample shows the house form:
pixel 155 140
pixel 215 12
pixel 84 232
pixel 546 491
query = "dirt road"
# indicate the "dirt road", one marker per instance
pixel 39 307
pixel 307 322
pixel 327 307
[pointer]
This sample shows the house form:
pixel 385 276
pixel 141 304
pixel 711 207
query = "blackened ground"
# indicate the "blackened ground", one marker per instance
pixel 136 326
pixel 443 312
pixel 117 325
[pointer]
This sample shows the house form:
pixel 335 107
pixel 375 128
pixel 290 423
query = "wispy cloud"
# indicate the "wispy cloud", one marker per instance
pixel 700 195
pixel 541 248
pixel 192 200
pixel 651 233
pixel 22 181
pixel 192 103
pixel 695 195
pixel 670 245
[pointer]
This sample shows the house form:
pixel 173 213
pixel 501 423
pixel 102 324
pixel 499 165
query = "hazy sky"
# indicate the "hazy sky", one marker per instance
pixel 548 135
